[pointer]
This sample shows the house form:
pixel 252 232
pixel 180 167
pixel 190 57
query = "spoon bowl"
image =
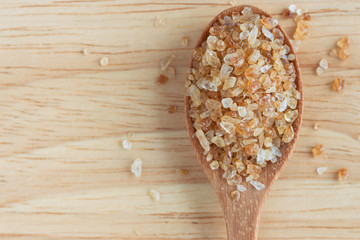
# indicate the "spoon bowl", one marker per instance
pixel 242 216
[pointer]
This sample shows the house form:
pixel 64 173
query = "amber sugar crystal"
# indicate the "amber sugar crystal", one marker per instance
pixel 338 85
pixel 318 150
pixel 343 174
pixel 162 79
pixel 242 96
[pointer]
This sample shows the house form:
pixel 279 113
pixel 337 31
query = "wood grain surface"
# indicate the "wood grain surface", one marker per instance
pixel 63 172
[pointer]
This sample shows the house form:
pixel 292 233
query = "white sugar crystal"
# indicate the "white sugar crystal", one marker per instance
pixel 241 188
pixel 86 51
pixel 323 63
pixel 257 185
pixel 127 144
pixel 321 170
pixel 242 111
pixel 104 61
pixel 319 71
pixel 292 8
pixel 226 102
pixel 136 167
pixel 154 194
pixel 159 21
pixel 299 11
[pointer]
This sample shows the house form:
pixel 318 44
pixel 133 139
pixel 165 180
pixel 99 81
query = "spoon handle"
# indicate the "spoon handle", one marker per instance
pixel 242 216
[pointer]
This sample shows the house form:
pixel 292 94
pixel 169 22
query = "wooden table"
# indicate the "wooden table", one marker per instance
pixel 63 172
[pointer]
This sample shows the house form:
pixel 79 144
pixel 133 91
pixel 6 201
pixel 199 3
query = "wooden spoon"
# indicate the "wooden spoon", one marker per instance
pixel 242 216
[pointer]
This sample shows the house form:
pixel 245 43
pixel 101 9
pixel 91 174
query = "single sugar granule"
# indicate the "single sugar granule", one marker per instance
pixel 257 185
pixel 137 232
pixel 235 195
pixel 323 63
pixel 317 126
pixel 136 167
pixel 241 188
pixel 162 79
pixel 154 194
pixel 319 71
pixel 182 171
pixel 321 170
pixel 172 109
pixel 318 150
pixel 185 41
pixel 333 52
pixel 159 21
pixel 127 144
pixel 86 51
pixel 338 85
pixel 343 174
pixel 104 61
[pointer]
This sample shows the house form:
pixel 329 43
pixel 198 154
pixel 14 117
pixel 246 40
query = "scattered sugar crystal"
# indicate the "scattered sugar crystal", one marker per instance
pixel 343 174
pixel 296 44
pixel 338 85
pixel 235 195
pixel 185 41
pixel 318 150
pixel 154 194
pixel 104 61
pixel 127 144
pixel 317 126
pixel 137 232
pixel 321 170
pixel 172 109
pixel 164 63
pixel 299 11
pixel 319 71
pixel 292 8
pixel 162 79
pixel 136 167
pixel 86 51
pixel 333 52
pixel 159 21
pixel 257 185
pixel 226 102
pixel 323 63
pixel 241 188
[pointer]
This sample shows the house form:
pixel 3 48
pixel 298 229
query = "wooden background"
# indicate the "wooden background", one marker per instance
pixel 63 172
